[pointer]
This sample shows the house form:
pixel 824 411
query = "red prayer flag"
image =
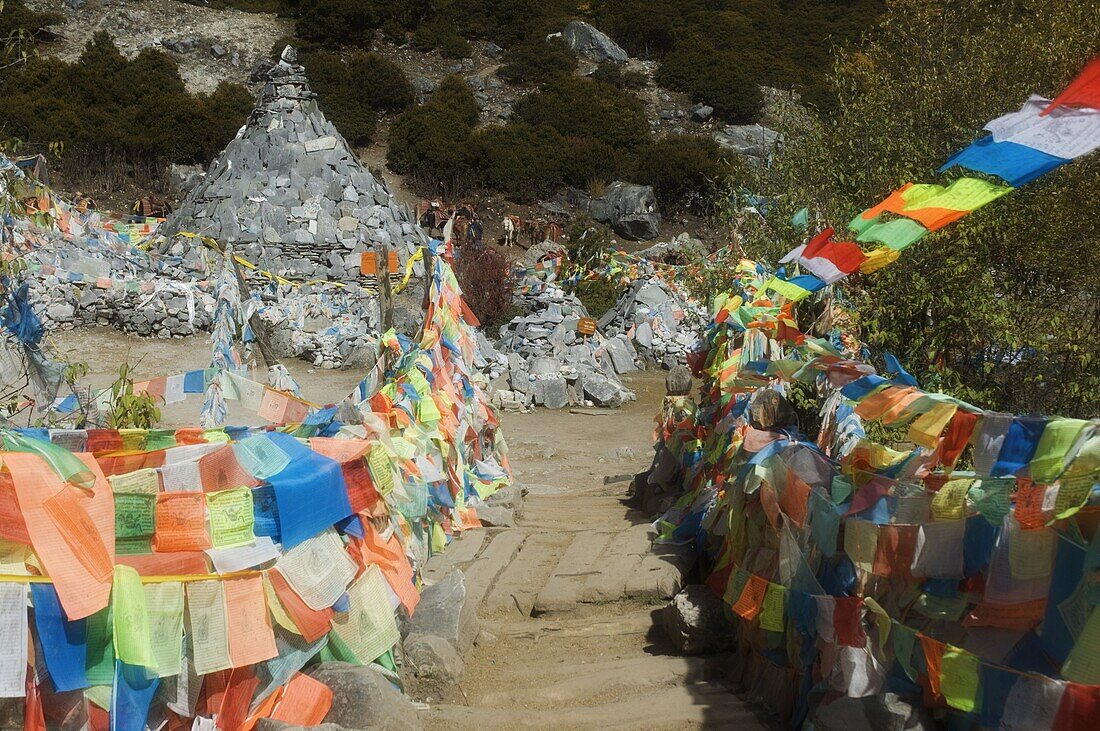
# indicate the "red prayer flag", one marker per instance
pixel 1083 91
pixel 848 621
pixel 1079 709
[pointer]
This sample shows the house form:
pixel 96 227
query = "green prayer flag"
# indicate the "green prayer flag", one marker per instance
pixel 135 522
pixel 99 659
pixel 160 439
pixel 965 194
pixel 992 498
pixel 898 234
pixel 904 640
pixel 774 609
pixel 133 643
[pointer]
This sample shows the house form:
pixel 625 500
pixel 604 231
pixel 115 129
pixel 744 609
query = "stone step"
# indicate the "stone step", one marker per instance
pixel 519 584
pixel 563 591
pixel 621 560
pixel 699 705
pixel 574 684
pixel 462 550
pixel 637 622
pixel 493 559
pixel 660 574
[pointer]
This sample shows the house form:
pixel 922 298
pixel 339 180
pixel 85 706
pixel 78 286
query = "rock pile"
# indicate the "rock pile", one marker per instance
pixel 660 323
pixel 550 364
pixel 288 191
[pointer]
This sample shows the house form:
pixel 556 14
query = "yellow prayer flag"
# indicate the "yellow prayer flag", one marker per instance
pixel 165 606
pixel 959 678
pixel 775 607
pixel 949 502
pixel 230 517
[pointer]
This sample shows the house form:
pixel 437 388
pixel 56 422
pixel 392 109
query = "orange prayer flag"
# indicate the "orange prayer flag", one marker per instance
pixel 180 563
pixel 933 654
pixel 233 709
pixel 251 639
pixel 304 702
pixel 180 522
pixel 65 537
pixel 313 624
pixel 12 525
pixel 220 470
pixel 341 450
pixel 796 493
pixel 749 604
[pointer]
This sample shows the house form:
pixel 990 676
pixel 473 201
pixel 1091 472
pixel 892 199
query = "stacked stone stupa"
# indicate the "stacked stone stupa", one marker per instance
pixel 289 194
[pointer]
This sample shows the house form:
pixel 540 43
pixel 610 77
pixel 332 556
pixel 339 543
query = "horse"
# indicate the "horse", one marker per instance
pixel 513 225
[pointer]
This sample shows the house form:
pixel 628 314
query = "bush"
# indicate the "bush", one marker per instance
pixel 340 21
pixel 683 170
pixel 735 97
pixel 537 62
pixel 587 160
pixel 452 45
pixel 455 95
pixel 578 107
pixel 353 88
pixel 487 283
pixel 105 104
pixel 610 73
pixel 598 296
pixel 430 142
pixel 521 161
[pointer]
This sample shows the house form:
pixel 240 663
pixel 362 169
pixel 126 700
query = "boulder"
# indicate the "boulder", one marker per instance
pixel 696 622
pixel 749 140
pixel 433 658
pixel 701 113
pixel 630 210
pixel 510 497
pixel 585 40
pixel 446 611
pixel 362 697
pixel 769 410
pixel 678 381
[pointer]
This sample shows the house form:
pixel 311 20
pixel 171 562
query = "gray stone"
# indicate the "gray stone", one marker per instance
pixel 678 381
pixel 589 42
pixel 696 623
pixel 492 50
pixel 511 497
pixel 217 50
pixel 701 113
pixel 445 611
pixel 555 393
pixel 619 352
pixel 433 658
pixel 363 698
pixel 769 410
pixel 268 724
pixel 750 140
pixel 630 210
pixel 182 45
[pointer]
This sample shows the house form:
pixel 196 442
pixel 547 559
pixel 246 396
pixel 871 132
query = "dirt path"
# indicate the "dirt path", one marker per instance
pixel 567 597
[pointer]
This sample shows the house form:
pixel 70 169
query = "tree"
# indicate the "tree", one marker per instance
pixel 1000 308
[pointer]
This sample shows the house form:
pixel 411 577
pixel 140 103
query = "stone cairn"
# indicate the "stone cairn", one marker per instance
pixel 289 193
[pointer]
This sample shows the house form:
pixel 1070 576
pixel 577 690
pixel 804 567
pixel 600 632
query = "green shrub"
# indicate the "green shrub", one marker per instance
pixel 105 104
pixel 452 45
pixel 735 97
pixel 339 21
pixel 353 88
pixel 425 39
pixel 610 73
pixel 430 142
pixel 598 296
pixel 578 107
pixel 521 161
pixel 537 62
pixel 455 95
pixel 683 170
pixel 587 160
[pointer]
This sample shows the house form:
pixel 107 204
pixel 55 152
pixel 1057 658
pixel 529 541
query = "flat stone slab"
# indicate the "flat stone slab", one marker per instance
pixel 581 560
pixel 462 550
pixel 483 573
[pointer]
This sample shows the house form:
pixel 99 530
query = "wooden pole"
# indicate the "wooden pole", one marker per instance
pixel 259 327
